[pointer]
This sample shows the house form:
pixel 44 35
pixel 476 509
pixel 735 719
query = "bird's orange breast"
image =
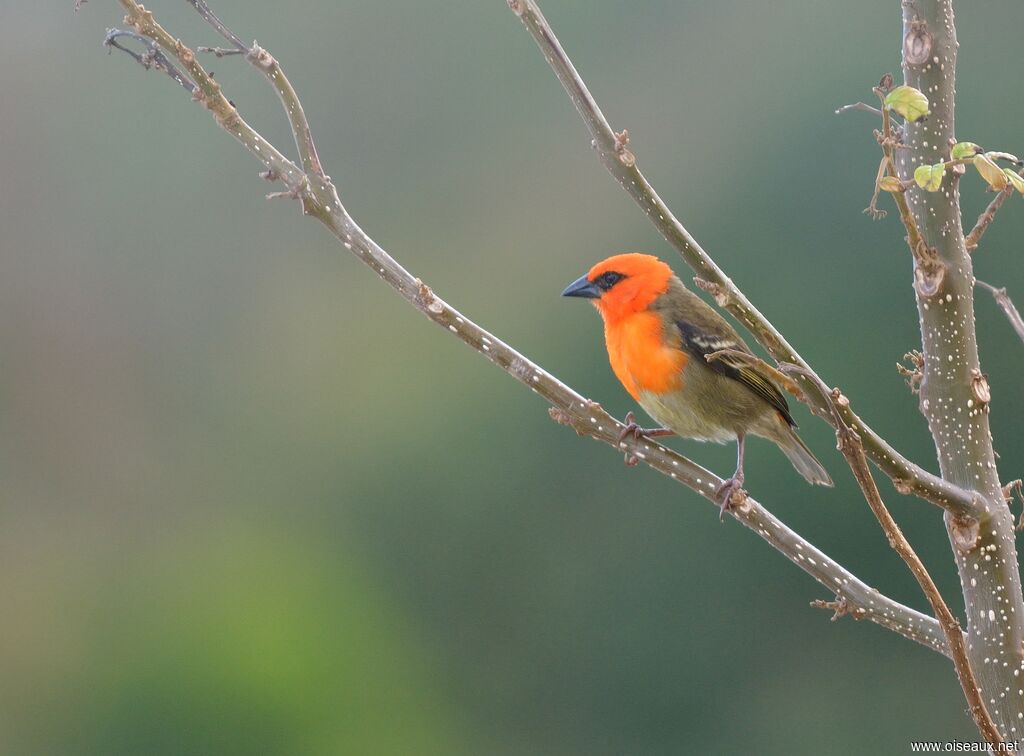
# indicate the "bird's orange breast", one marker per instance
pixel 641 359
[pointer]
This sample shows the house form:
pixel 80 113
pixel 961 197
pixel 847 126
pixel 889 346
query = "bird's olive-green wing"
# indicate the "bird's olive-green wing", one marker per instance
pixel 700 343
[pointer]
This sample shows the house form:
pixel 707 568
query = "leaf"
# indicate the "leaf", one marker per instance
pixel 890 184
pixel 929 177
pixel 908 102
pixel 964 150
pixel 991 172
pixel 1015 179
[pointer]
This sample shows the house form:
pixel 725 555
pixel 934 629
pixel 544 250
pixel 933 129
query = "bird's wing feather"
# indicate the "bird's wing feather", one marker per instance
pixel 701 343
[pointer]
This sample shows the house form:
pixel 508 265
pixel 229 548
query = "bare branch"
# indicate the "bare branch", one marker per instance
pixel 320 199
pixel 987 216
pixel 269 67
pixel 1004 302
pixel 1011 488
pixel 208 92
pixel 850 446
pixel 220 52
pixel 151 58
pixel 621 163
pixel 859 106
pixel 211 18
pixel 858 600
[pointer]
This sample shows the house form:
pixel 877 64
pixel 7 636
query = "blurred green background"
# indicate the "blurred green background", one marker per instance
pixel 254 503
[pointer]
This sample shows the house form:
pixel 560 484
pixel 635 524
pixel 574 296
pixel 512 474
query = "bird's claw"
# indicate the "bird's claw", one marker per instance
pixel 729 495
pixel 634 430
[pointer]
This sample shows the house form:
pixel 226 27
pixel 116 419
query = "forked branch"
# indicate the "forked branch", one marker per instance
pixel 850 445
pixel 612 148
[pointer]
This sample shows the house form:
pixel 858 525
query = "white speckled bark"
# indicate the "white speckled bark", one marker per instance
pixel 950 401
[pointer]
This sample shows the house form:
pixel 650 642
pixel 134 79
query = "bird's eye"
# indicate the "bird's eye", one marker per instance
pixel 609 279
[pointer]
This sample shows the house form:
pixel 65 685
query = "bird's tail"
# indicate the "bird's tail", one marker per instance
pixel 803 460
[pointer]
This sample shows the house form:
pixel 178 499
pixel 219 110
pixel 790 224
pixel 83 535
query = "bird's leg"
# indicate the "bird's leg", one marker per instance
pixel 733 487
pixel 634 430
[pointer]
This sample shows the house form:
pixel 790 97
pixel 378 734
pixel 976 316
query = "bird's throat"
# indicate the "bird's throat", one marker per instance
pixel 640 356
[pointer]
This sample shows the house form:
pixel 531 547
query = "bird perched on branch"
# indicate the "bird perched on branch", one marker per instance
pixel 658 335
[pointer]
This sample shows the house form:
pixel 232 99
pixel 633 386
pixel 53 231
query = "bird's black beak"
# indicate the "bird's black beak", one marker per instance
pixel 581 287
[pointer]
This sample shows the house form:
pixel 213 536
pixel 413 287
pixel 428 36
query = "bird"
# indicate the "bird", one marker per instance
pixel 658 334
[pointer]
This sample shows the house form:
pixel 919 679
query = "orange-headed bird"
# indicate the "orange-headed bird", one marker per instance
pixel 658 333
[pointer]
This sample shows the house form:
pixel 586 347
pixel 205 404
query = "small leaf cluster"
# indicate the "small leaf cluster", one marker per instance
pixel 912 104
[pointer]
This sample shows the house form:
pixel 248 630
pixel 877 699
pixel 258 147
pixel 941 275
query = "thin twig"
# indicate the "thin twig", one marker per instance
pixel 1004 302
pixel 152 58
pixel 568 407
pixel 987 216
pixel 221 52
pixel 621 163
pixel 850 446
pixel 1011 488
pixel 208 92
pixel 211 18
pixel 859 106
pixel 928 269
pixel 269 67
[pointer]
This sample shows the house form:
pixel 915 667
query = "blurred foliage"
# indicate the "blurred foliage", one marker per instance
pixel 253 503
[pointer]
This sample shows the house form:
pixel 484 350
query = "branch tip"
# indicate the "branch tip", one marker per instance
pixel 1007 306
pixel 153 57
pixel 840 607
pixel 220 52
pixel 863 106
pixel 1015 486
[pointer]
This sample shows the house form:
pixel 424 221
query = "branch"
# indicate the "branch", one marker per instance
pixel 152 58
pixel 850 446
pixel 237 45
pixel 208 92
pixel 859 106
pixel 320 199
pixel 268 65
pixel 1004 301
pixel 612 149
pixel 954 395
pixel 987 216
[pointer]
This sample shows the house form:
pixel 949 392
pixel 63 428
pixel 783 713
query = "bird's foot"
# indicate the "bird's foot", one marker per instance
pixel 730 494
pixel 634 430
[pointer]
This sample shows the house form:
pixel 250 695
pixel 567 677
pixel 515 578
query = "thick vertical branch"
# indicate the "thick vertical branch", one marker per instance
pixel 954 395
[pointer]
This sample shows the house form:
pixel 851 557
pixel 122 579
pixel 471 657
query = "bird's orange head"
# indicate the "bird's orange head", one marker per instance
pixel 622 284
